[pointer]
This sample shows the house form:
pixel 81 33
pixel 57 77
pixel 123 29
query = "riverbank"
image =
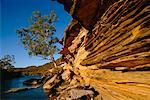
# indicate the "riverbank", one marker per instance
pixel 35 93
pixel 9 74
pixel 38 70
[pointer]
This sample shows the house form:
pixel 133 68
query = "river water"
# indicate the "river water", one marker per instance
pixel 33 94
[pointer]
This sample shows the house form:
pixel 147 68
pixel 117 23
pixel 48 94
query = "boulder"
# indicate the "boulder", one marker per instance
pixel 50 83
pixel 79 93
pixel 66 75
pixel 32 81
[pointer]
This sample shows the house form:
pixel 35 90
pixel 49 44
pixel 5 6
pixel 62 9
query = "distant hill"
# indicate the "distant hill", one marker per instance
pixel 37 70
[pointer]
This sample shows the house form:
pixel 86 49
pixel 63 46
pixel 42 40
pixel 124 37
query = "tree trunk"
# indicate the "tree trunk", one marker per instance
pixel 54 62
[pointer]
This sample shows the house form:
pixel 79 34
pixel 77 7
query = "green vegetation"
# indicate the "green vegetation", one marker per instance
pixel 7 68
pixel 39 38
pixel 7 61
pixel 35 70
pixel 38 70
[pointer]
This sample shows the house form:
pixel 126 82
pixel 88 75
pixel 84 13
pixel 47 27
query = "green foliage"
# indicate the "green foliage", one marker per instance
pixel 39 38
pixel 7 62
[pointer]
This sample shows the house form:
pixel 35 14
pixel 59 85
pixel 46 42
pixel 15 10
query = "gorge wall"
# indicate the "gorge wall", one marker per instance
pixel 107 46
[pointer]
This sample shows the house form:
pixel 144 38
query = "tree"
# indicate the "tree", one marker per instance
pixel 39 38
pixel 7 61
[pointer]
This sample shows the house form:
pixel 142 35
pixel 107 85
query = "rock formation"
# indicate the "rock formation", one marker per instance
pixel 107 46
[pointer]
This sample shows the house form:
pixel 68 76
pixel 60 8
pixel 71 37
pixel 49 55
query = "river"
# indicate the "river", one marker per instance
pixel 33 94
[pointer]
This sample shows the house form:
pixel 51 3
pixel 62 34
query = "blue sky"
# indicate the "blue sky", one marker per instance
pixel 15 13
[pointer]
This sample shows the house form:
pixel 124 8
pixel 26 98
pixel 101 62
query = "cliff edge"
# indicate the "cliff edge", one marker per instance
pixel 107 47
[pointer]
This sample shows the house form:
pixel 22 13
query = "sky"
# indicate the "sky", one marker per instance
pixel 15 14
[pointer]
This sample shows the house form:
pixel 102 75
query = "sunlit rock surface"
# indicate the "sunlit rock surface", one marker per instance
pixel 110 48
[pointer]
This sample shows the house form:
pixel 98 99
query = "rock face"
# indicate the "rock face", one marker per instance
pixel 112 34
pixel 121 37
pixel 87 12
pixel 107 48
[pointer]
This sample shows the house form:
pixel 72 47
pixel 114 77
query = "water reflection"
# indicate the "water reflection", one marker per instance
pixel 33 94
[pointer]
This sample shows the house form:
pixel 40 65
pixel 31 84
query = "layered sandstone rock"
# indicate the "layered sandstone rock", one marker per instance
pixel 120 38
pixel 110 34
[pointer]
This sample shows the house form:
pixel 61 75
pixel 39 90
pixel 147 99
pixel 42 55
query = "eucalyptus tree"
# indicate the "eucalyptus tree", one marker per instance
pixel 7 61
pixel 39 38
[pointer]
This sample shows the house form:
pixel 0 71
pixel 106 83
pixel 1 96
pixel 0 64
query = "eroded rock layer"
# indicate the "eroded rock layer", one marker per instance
pixel 121 37
pixel 110 34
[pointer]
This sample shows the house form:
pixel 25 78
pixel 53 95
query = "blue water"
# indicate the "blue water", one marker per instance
pixel 33 94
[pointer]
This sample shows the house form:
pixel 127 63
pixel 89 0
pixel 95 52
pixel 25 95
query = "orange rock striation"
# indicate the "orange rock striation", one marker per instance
pixel 108 46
